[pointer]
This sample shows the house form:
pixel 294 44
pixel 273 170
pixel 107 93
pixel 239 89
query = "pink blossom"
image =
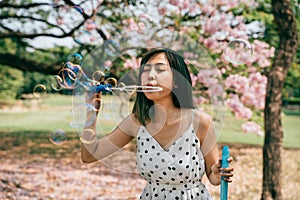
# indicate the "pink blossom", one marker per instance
pixel 252 127
pixel 90 25
pixel 239 83
pixel 210 43
pixel 131 24
pixel 162 11
pixel 237 107
pixel 60 21
pixel 199 100
pixel 107 63
pixel 175 2
pixel 194 79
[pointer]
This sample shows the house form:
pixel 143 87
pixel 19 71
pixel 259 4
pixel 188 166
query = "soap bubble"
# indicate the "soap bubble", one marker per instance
pixel 238 51
pixel 68 78
pixel 98 76
pixel 39 90
pixel 88 136
pixel 208 92
pixel 145 21
pixel 75 59
pixel 58 136
pixel 56 83
pixel 83 37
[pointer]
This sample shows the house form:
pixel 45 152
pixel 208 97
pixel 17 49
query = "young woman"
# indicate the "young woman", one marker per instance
pixel 176 144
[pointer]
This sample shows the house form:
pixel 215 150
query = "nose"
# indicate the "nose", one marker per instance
pixel 151 75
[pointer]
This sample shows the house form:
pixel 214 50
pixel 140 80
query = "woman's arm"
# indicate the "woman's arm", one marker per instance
pixel 105 146
pixel 210 150
pixel 118 138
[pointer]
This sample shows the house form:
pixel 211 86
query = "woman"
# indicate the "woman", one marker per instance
pixel 175 142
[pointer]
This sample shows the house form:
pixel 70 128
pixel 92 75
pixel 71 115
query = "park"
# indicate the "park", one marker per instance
pixel 244 64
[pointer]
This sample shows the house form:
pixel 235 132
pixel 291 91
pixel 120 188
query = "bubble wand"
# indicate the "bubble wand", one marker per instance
pixel 68 79
pixel 225 164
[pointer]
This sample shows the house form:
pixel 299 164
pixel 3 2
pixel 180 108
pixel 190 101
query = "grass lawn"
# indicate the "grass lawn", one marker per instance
pixel 55 111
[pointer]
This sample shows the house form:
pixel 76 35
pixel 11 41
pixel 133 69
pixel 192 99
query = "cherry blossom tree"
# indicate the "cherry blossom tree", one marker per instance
pixel 214 24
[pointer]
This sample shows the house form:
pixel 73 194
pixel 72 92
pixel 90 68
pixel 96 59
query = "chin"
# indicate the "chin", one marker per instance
pixel 155 96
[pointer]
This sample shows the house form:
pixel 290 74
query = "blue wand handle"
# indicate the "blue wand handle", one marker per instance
pixel 225 164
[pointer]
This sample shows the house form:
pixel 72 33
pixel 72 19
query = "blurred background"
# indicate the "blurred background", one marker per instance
pixel 253 46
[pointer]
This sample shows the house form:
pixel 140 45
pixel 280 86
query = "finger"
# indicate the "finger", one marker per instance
pixel 229 169
pixel 97 103
pixel 227 180
pixel 98 95
pixel 230 159
pixel 226 174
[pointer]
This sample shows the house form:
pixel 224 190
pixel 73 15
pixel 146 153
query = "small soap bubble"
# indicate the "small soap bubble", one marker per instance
pixel 39 90
pixel 144 21
pixel 58 136
pixel 121 85
pixel 56 83
pixel 111 47
pixel 112 81
pixel 74 67
pixel 68 78
pixel 238 51
pixel 98 76
pixel 75 59
pixel 88 136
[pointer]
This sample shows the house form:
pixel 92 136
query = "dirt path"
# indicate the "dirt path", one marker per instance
pixel 61 175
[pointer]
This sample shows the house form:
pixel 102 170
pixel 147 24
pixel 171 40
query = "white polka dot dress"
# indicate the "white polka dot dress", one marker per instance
pixel 174 173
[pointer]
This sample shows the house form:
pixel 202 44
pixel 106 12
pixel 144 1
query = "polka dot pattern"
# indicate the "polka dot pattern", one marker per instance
pixel 173 173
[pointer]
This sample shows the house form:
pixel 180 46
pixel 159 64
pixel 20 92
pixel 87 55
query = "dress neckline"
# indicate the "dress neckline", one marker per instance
pixel 166 149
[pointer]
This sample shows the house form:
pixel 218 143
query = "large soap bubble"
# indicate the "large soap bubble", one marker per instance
pixel 208 93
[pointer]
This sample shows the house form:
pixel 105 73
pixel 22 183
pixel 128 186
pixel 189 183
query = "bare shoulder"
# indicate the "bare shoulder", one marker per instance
pixel 202 122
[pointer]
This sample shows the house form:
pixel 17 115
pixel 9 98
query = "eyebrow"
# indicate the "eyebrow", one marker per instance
pixel 156 63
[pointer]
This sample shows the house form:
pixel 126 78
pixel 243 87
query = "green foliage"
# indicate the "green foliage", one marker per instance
pixel 11 80
pixel 8 45
pixel 31 79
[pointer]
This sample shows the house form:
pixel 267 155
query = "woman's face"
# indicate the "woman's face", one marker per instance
pixel 157 72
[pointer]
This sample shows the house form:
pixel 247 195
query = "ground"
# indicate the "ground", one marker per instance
pixel 25 174
pixel 34 168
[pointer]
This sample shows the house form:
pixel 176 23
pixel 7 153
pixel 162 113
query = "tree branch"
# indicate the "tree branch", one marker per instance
pixel 25 64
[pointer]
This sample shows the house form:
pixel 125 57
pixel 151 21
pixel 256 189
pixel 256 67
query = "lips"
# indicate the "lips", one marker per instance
pixel 150 84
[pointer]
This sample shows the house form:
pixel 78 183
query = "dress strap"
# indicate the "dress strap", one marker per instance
pixel 193 113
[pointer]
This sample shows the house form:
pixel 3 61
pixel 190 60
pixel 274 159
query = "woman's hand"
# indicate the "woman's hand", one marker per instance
pixel 93 99
pixel 218 172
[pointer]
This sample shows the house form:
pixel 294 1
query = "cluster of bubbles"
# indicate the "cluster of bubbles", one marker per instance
pixel 93 76
pixel 70 76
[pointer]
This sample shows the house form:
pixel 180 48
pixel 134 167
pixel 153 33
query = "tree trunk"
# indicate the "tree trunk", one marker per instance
pixel 286 25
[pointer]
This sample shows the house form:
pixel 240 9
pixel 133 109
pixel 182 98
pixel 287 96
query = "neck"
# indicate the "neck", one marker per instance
pixel 164 113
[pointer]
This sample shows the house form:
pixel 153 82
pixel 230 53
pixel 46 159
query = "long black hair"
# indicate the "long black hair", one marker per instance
pixel 181 94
